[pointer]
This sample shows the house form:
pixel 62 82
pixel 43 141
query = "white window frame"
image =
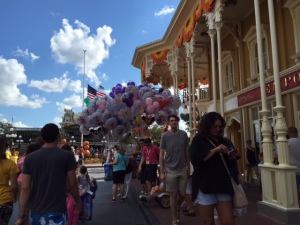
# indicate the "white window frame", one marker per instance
pixel 294 7
pixel 251 41
pixel 228 74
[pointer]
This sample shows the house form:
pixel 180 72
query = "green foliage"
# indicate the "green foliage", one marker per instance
pixel 156 132
pixel 5 128
pixel 186 118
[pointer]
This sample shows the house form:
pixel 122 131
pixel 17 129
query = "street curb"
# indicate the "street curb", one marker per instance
pixel 150 218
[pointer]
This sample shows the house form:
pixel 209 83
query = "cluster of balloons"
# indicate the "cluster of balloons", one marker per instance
pixel 126 108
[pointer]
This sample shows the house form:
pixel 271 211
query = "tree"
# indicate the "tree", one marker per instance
pixel 5 127
pixel 156 132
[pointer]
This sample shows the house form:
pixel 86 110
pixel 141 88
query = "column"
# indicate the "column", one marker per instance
pixel 278 182
pixel 218 27
pixel 212 33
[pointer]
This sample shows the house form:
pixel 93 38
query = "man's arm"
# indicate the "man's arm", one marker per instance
pixel 24 198
pixel 188 160
pixel 73 188
pixel 162 164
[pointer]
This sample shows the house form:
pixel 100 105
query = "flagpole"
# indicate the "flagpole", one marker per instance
pixel 83 81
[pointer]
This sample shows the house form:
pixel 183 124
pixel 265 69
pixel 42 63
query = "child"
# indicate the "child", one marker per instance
pixel 15 157
pixel 85 182
pixel 71 210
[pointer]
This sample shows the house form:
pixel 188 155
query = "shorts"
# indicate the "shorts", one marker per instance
pixel 150 173
pixel 189 186
pixel 176 180
pixel 210 199
pixel 119 176
pixel 298 181
pixel 6 211
pixel 141 175
pixel 49 218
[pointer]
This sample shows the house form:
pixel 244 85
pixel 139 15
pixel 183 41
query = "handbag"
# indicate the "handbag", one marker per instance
pixel 239 198
pixel 128 167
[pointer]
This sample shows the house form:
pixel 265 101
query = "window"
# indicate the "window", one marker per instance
pixel 265 56
pixel 251 40
pixel 294 7
pixel 228 71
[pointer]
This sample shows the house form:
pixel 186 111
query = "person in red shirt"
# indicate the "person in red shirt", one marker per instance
pixel 150 156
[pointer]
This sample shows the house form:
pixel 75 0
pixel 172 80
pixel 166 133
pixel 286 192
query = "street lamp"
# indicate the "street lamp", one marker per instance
pixel 72 140
pixel 10 137
pixel 19 141
pixel 104 141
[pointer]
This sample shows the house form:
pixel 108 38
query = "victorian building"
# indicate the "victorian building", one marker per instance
pixel 240 58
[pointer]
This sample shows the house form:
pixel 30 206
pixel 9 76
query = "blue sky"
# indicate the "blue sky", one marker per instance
pixel 41 51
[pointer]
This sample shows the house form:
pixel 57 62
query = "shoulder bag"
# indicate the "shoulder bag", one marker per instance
pixel 128 167
pixel 239 198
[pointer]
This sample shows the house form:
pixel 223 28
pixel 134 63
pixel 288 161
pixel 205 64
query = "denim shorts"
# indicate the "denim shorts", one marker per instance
pixel 210 199
pixel 49 218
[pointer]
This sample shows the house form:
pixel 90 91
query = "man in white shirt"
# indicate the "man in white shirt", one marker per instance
pixel 294 145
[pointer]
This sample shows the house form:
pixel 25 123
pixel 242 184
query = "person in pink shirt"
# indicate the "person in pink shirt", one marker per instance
pixel 150 157
pixel 30 148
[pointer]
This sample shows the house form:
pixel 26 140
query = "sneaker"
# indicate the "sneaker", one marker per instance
pixel 118 195
pixel 113 200
pixel 122 199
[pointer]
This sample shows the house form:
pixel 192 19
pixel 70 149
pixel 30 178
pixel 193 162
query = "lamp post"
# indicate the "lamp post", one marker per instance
pixel 19 141
pixel 72 140
pixel 104 141
pixel 10 137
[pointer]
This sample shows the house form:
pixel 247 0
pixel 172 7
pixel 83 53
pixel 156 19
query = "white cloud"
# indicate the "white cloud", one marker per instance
pixel 74 101
pixel 12 76
pixel 57 120
pixel 144 31
pixel 19 124
pixel 104 77
pixel 57 84
pixel 164 11
pixel 68 43
pixel 25 54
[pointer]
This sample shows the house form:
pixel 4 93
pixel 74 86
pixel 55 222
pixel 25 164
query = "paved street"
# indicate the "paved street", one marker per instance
pixel 105 212
pixel 131 212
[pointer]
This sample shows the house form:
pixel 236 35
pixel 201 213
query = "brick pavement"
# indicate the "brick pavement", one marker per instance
pixel 251 218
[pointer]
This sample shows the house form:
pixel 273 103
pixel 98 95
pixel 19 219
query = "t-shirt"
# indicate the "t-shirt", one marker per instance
pixel 122 160
pixel 294 145
pixel 151 154
pixel 8 168
pixel 175 146
pixel 48 169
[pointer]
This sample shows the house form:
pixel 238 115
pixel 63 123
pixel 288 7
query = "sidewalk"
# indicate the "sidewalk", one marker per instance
pixel 251 218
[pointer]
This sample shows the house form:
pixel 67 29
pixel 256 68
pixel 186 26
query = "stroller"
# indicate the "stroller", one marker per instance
pixel 159 194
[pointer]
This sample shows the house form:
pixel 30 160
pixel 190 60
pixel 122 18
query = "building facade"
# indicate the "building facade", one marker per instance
pixel 241 59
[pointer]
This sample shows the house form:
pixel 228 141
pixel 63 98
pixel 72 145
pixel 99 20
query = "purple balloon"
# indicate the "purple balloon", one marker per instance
pixel 119 85
pixel 112 95
pixel 118 90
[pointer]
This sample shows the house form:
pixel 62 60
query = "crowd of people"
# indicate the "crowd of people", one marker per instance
pixel 191 171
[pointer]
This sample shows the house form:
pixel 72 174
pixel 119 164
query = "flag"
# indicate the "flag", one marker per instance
pixel 101 87
pixel 93 93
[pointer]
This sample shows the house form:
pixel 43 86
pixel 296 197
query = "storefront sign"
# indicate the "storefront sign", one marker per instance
pixel 287 82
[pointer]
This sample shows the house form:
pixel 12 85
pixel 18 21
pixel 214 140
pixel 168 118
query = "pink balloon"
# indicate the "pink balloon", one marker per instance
pixel 149 101
pixel 150 109
pixel 156 105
